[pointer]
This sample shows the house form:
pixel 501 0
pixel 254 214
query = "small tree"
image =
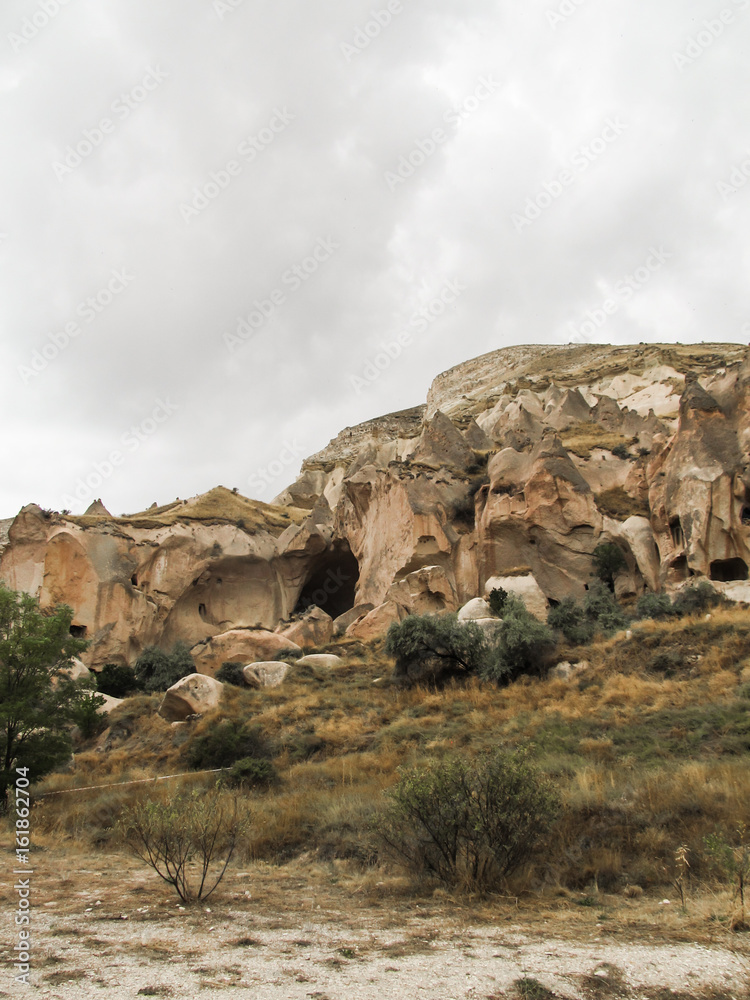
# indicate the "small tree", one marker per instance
pixel 601 608
pixel 520 644
pixel 460 646
pixel 608 561
pixel 733 861
pixel 498 597
pixel 570 619
pixel 468 823
pixel 225 743
pixel 35 713
pixel 156 670
pixel 86 711
pixel 116 680
pixel 188 841
pixel 231 673
pixel 655 606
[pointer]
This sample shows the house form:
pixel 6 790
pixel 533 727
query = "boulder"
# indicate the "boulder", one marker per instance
pixel 568 671
pixel 342 623
pixel 490 626
pixel 269 673
pixel 425 591
pixel 377 622
pixel 524 587
pixel 476 608
pixel 324 660
pixel 110 704
pixel 240 646
pixel 195 694
pixel 315 628
pixel 77 671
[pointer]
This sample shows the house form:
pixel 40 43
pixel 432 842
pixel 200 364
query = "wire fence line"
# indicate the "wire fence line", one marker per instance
pixel 122 784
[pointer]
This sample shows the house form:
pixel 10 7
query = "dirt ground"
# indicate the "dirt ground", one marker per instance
pixel 104 925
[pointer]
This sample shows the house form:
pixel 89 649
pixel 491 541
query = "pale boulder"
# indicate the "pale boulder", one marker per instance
pixel 110 704
pixel 342 623
pixel 267 674
pixel 324 660
pixel 240 646
pixel 315 628
pixel 377 622
pixel 195 694
pixel 474 610
pixel 524 587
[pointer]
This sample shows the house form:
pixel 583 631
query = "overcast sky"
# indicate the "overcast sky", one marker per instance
pixel 215 213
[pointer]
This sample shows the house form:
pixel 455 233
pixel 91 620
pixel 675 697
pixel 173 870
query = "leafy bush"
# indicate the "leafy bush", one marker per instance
pixel 602 609
pixel 694 600
pixel 442 640
pixel 231 673
pixel 224 744
pixel 570 619
pixel 156 670
pixel 468 823
pixel 186 840
pixel 116 680
pixel 497 600
pixel 655 606
pixel 86 711
pixel 608 561
pixel 520 644
pixel 251 772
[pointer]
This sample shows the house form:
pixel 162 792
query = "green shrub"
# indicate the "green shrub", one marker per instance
pixel 86 713
pixel 116 680
pixel 602 609
pixel 655 606
pixel 520 645
pixel 696 599
pixel 225 743
pixel 252 772
pixel 608 561
pixel 441 641
pixel 231 673
pixel 156 670
pixel 620 451
pixel 497 600
pixel 570 619
pixel 470 823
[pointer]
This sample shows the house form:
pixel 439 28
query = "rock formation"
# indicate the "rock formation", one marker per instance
pixel 521 462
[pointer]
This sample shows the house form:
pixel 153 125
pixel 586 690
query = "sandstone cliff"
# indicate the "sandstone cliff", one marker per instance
pixel 519 465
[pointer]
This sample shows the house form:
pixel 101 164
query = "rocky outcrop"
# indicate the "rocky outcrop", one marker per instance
pixel 195 694
pixel 271 673
pixel 521 462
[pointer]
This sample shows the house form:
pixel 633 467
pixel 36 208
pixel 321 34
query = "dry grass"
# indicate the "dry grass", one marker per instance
pixel 618 504
pixel 582 438
pixel 217 506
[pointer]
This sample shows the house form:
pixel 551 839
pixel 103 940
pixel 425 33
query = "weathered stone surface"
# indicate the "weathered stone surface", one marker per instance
pixel 342 623
pixel 315 628
pixel 195 694
pixel 270 673
pixel 474 609
pixel 568 671
pixel 642 445
pixel 377 622
pixel 77 671
pixel 240 646
pixel 524 587
pixel 110 704
pixel 324 660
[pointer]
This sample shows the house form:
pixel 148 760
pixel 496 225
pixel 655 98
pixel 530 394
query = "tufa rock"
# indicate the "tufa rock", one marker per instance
pixel 195 694
pixel 267 674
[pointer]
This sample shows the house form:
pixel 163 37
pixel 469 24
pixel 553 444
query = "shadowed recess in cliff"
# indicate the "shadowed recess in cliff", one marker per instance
pixel 332 581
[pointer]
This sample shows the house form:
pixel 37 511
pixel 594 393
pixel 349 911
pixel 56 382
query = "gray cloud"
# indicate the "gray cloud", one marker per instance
pixel 170 94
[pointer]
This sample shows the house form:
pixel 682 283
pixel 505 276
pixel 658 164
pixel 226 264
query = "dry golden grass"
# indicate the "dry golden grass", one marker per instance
pixel 581 438
pixel 618 504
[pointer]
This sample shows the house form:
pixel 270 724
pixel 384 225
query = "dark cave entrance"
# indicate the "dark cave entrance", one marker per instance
pixel 332 582
pixel 726 570
pixel 79 631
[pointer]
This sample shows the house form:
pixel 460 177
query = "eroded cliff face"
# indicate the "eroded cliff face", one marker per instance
pixel 519 465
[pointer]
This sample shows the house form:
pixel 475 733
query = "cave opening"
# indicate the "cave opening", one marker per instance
pixel 331 583
pixel 675 529
pixel 79 631
pixel 745 515
pixel 726 570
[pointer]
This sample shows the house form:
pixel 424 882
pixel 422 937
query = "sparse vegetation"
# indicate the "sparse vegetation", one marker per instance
pixel 468 823
pixel 619 505
pixel 156 670
pixel 231 673
pixel 582 438
pixel 608 561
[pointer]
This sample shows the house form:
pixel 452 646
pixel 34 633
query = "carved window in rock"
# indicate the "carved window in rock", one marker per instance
pixel 675 530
